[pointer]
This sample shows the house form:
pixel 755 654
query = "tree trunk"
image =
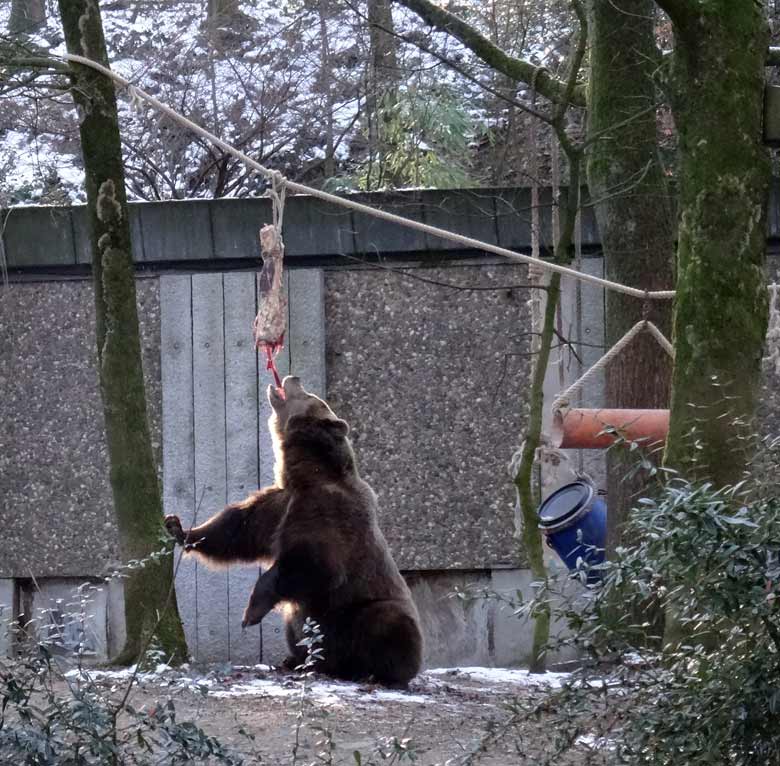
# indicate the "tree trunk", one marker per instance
pixel 381 92
pixel 27 16
pixel 634 214
pixel 150 603
pixel 531 536
pixel 720 317
pixel 326 86
pixel 220 12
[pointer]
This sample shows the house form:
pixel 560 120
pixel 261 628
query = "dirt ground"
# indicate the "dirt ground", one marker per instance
pixel 444 715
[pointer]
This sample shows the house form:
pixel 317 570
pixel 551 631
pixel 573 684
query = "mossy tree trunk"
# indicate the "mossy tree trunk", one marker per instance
pixel 716 88
pixel 149 598
pixel 635 217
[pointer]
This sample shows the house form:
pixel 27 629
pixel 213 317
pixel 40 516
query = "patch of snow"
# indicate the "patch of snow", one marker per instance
pixel 323 692
pixel 595 742
pixel 509 676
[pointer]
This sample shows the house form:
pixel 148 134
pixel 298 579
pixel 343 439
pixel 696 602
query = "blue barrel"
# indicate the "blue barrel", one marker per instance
pixel 574 521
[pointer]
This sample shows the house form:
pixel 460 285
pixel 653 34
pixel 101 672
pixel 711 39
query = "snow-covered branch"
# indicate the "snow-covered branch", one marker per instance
pixel 517 69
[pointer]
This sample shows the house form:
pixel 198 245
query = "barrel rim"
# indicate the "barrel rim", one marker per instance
pixel 574 515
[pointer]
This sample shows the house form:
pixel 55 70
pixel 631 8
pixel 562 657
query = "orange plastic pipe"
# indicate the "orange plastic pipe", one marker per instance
pixel 584 429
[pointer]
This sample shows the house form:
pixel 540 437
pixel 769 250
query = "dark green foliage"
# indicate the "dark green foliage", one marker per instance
pixel 711 557
pixel 52 717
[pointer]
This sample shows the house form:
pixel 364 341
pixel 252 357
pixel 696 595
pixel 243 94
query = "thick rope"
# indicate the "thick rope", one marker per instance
pixel 136 95
pixel 642 325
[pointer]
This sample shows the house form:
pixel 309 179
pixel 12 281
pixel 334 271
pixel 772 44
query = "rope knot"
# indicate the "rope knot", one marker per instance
pixel 646 306
pixel 277 191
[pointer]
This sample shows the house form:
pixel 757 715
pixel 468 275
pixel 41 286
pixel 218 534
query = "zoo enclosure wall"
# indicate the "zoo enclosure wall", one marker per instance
pixel 432 379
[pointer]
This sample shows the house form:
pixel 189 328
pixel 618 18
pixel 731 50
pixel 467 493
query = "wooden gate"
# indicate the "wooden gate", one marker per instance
pixel 216 447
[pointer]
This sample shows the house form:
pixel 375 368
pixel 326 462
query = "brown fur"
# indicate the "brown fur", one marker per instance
pixel 316 529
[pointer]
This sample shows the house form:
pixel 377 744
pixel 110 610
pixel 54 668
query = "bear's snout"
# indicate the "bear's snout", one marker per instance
pixel 291 385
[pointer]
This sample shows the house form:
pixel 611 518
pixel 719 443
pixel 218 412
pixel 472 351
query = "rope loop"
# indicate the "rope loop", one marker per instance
pixel 562 400
pixel 277 191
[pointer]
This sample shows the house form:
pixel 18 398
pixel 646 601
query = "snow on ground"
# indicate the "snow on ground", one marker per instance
pixel 324 692
pixel 594 742
pixel 504 676
pixel 263 681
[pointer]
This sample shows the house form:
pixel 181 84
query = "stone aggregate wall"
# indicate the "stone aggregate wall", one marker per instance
pixel 433 381
pixel 56 516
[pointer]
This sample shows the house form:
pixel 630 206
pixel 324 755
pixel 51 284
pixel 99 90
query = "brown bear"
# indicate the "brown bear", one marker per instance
pixel 316 530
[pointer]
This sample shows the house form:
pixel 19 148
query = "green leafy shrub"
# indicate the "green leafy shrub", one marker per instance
pixel 709 560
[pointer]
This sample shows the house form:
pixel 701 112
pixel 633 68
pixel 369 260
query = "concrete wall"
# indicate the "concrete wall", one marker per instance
pixel 426 377
pixel 56 511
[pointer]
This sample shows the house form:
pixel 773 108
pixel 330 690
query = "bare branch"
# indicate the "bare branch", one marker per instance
pixel 408 274
pixel 575 63
pixel 517 69
pixel 462 71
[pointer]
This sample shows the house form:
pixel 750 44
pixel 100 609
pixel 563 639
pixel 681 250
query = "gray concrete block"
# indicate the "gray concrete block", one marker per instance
pixel 374 236
pixel 455 632
pixel 236 225
pixel 176 231
pixel 469 213
pixel 67 613
pixel 6 615
pixel 514 216
pixel 513 635
pixel 314 227
pixel 307 328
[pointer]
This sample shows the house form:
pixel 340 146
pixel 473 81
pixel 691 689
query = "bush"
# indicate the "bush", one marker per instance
pixel 708 560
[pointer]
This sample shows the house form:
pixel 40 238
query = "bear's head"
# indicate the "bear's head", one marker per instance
pixel 294 401
pixel 305 429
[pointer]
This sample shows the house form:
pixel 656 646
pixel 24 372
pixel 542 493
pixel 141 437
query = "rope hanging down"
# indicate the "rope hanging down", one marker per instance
pixel 137 95
pixel 562 400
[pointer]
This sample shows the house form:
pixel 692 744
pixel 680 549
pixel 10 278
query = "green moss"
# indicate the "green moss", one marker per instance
pixel 721 305
pixel 150 604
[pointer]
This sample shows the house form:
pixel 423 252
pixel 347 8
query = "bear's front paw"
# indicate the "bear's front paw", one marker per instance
pixel 254 614
pixel 249 619
pixel 174 529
